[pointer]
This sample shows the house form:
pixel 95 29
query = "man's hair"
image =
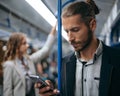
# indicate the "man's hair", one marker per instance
pixel 87 10
pixel 13 44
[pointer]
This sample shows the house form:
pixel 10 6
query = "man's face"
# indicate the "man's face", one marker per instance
pixel 79 35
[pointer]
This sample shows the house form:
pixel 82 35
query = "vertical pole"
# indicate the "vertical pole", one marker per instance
pixel 59 44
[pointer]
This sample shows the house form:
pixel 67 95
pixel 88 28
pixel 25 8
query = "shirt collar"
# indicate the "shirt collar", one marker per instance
pixel 99 50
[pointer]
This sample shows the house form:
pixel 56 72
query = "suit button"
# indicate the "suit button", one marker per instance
pixel 85 80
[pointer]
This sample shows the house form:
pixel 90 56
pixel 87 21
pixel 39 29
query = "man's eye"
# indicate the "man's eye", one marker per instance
pixel 75 30
pixel 72 30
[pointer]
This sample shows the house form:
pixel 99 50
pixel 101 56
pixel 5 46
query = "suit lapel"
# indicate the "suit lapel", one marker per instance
pixel 105 74
pixel 70 71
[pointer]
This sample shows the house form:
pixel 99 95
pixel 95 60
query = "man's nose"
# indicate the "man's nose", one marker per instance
pixel 70 36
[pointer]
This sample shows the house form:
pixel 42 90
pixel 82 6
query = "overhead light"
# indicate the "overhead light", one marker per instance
pixel 41 8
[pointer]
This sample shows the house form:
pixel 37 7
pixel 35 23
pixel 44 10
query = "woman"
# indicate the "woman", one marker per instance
pixel 18 65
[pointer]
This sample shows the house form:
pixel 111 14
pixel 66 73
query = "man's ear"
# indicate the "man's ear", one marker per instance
pixel 93 25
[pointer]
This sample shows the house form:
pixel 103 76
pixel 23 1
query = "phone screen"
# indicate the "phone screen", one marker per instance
pixel 38 79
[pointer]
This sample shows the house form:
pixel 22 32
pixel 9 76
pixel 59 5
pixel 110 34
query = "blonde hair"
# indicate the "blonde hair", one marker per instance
pixel 13 45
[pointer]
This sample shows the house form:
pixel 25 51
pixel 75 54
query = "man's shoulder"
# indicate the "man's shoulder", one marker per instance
pixel 113 54
pixel 111 50
pixel 69 57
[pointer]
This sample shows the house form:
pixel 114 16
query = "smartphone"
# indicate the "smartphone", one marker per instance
pixel 38 79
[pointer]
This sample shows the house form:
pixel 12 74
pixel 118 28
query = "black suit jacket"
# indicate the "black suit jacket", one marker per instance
pixel 109 74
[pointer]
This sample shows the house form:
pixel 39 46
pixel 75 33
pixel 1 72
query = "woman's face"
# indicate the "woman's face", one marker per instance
pixel 24 46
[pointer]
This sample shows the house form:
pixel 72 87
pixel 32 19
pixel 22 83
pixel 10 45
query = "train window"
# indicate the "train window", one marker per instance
pixel 115 38
pixel 115 34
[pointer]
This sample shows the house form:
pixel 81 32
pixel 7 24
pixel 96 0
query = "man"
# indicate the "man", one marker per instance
pixel 94 68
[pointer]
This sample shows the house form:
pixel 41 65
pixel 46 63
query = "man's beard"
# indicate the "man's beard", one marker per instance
pixel 88 41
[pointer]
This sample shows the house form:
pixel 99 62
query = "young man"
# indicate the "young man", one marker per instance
pixel 94 68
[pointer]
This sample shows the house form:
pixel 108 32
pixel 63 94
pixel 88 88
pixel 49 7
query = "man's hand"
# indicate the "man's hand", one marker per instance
pixel 48 90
